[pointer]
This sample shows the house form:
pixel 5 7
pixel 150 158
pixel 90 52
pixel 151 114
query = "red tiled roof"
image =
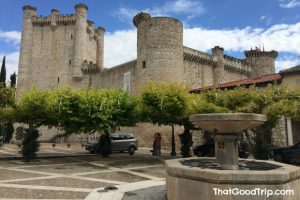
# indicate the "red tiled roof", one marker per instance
pixel 244 82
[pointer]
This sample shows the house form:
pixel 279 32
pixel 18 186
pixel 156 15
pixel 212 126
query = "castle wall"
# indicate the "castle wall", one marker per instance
pixel 52 54
pixel 198 75
pixel 233 76
pixel 114 77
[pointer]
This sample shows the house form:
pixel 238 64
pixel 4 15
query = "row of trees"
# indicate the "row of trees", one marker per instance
pixel 6 98
pixel 88 111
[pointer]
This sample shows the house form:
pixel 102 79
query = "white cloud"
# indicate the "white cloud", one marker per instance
pixel 120 46
pixel 289 3
pixel 13 37
pixel 11 62
pixel 281 37
pixel 190 8
pixel 286 62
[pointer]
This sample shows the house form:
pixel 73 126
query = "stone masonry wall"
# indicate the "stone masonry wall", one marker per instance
pixel 198 75
pixel 279 133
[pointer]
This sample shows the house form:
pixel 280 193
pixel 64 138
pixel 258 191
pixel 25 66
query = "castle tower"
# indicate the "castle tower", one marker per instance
pixel 26 48
pixel 100 46
pixel 159 49
pixel 263 62
pixel 80 40
pixel 218 55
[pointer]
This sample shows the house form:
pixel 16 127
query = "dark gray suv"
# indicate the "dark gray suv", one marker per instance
pixel 120 142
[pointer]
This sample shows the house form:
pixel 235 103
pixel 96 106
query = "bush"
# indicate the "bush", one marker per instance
pixel 30 145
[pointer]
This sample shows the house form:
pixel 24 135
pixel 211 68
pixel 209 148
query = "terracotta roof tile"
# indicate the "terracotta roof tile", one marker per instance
pixel 244 82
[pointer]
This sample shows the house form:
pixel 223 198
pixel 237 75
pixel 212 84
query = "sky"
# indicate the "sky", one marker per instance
pixel 236 25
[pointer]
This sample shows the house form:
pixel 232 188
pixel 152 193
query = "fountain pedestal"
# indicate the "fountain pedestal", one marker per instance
pixel 226 151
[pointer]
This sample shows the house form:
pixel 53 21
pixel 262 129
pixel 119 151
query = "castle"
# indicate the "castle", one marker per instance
pixel 68 50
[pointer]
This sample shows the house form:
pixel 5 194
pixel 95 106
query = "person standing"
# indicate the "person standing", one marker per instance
pixel 157 144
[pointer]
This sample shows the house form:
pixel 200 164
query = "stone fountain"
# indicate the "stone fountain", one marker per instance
pixel 218 178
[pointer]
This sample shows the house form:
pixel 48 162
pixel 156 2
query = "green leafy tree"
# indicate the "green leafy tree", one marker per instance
pixel 32 109
pixel 273 101
pixel 165 104
pixel 169 103
pixel 7 112
pixel 78 111
pixel 13 80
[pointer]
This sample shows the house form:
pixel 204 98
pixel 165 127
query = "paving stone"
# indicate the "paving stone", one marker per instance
pixel 10 174
pixel 69 168
pixel 117 176
pixel 152 171
pixel 39 194
pixel 64 182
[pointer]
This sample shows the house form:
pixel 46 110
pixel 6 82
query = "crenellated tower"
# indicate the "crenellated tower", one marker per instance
pixel 263 62
pixel 25 48
pixel 159 49
pixel 80 39
pixel 59 49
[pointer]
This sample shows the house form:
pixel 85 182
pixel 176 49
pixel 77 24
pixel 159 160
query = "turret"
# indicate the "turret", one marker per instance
pixel 263 62
pixel 80 40
pixel 159 48
pixel 100 46
pixel 26 46
pixel 218 56
pixel 54 14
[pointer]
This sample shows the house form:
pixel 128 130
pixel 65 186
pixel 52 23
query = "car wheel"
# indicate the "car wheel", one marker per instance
pixel 278 158
pixel 131 150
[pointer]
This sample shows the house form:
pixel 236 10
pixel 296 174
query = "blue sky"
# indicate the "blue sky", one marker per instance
pixel 237 25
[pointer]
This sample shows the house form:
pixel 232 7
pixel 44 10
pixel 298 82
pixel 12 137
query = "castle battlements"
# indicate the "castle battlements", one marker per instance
pixel 194 55
pixel 236 65
pixel 59 20
pixel 89 68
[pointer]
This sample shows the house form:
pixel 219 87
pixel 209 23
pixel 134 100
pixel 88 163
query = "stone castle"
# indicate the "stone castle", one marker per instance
pixel 68 50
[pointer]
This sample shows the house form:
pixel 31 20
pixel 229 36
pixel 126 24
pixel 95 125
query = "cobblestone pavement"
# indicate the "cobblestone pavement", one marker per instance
pixel 46 149
pixel 76 177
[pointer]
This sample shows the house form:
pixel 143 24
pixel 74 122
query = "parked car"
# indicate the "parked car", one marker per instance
pixel 208 149
pixel 287 154
pixel 120 142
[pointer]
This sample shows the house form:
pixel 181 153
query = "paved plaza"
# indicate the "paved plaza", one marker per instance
pixel 80 176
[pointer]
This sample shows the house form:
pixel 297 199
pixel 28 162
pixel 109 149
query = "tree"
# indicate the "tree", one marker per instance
pixel 32 109
pixel 273 101
pixel 78 111
pixel 171 103
pixel 3 73
pixel 13 80
pixel 164 104
pixel 7 112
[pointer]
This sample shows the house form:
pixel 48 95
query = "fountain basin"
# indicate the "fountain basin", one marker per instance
pixel 198 178
pixel 227 123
